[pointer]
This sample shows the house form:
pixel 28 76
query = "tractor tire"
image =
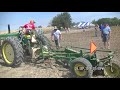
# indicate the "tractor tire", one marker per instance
pixel 113 74
pixel 12 52
pixel 81 68
pixel 47 42
pixel 44 40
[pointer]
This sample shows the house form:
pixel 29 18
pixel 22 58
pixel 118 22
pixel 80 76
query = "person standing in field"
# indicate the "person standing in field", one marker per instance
pixel 106 34
pixel 69 29
pixel 56 37
pixel 96 29
pixel 101 27
pixel 66 29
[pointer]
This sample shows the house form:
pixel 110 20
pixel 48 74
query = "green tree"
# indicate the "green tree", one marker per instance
pixel 73 23
pixel 62 20
pixel 94 22
pixel 111 21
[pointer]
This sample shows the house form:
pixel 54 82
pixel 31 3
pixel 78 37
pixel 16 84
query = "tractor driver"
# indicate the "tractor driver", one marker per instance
pixel 29 27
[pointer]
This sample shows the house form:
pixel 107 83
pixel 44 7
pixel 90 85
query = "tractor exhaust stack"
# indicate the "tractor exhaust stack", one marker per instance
pixel 8 28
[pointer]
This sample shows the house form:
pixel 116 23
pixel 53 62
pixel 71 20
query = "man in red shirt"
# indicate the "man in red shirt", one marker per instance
pixel 29 26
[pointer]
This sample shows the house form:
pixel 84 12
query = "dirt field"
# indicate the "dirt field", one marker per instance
pixel 76 38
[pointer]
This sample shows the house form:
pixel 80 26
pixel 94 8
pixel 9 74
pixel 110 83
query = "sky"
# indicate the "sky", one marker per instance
pixel 16 19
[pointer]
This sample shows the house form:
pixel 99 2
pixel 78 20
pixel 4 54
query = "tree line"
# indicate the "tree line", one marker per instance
pixel 111 21
pixel 64 20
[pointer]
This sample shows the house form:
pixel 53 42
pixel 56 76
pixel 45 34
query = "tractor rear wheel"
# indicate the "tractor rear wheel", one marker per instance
pixel 81 68
pixel 44 40
pixel 47 42
pixel 41 37
pixel 12 52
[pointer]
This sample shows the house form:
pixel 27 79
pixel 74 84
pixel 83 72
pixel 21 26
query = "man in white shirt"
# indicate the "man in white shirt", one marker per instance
pixel 56 36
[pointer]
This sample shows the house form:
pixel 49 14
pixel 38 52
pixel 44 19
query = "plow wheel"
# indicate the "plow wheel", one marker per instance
pixel 12 52
pixel 81 68
pixel 112 71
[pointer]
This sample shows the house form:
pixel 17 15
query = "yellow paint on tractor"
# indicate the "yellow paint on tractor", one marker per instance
pixel 8 53
pixel 78 68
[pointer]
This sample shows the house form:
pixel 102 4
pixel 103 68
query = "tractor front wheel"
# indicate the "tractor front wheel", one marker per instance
pixel 12 52
pixel 81 68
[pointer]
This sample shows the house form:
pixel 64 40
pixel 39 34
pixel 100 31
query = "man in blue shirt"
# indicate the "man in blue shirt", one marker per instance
pixel 101 27
pixel 106 33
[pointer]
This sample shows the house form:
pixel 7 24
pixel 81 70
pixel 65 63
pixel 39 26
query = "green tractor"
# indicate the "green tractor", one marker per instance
pixel 15 47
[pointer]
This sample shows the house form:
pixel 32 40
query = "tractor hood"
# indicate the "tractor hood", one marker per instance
pixel 8 35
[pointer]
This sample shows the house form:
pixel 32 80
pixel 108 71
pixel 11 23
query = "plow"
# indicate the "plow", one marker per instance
pixel 15 47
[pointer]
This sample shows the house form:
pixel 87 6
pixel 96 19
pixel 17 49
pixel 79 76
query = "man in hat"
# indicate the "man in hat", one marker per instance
pixel 56 37
pixel 96 29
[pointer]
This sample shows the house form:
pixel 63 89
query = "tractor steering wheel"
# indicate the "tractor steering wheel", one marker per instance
pixel 21 30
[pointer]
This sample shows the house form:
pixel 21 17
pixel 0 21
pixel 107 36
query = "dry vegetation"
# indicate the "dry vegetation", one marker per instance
pixel 45 29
